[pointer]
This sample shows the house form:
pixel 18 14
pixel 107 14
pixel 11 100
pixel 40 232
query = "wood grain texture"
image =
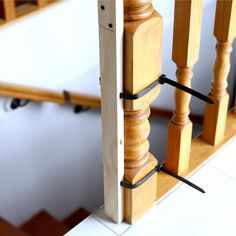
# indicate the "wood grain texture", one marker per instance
pixel 225 32
pixel 187 29
pixel 142 59
pixel 142 66
pixel 138 161
pixel 186 43
pixel 225 19
pixel 215 115
pixel 145 194
pixel 137 9
pixel 111 69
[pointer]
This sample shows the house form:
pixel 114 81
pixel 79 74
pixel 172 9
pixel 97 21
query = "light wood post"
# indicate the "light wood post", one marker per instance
pixel 225 32
pixel 186 42
pixel 142 66
pixel 9 9
pixel 111 28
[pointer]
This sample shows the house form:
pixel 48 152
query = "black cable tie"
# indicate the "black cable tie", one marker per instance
pixel 162 80
pixel 129 96
pixel 134 186
pixel 158 169
pixel 182 179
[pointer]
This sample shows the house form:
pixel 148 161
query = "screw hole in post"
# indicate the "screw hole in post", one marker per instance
pixel 110 25
pixel 102 7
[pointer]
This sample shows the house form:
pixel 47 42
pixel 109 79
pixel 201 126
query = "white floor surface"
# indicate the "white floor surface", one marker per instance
pixel 185 212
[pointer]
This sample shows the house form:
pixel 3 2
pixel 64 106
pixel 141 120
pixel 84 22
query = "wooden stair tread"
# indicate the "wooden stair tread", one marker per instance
pixel 43 224
pixel 76 217
pixel 6 229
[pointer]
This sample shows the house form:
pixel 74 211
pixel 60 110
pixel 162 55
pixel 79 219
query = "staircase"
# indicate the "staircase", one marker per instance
pixel 43 224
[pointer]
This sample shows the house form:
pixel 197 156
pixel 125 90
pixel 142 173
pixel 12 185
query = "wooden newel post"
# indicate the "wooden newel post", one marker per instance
pixel 225 32
pixel 142 66
pixel 186 42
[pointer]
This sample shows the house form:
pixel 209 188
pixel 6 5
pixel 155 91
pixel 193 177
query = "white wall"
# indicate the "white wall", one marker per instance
pixel 50 157
pixel 203 71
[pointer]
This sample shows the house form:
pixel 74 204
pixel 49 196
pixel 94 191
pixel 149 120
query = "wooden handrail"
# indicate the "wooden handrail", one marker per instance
pixel 186 43
pixel 48 95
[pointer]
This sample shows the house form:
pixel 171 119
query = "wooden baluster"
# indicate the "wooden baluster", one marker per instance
pixel 9 9
pixel 186 42
pixel 41 3
pixel 142 66
pixel 225 32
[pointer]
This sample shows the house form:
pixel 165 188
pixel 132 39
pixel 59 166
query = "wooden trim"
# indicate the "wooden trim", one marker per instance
pixel 111 28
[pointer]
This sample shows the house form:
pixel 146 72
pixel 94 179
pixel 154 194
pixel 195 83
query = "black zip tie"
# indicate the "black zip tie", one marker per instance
pixel 158 169
pixel 133 186
pixel 129 96
pixel 162 80
pixel 182 179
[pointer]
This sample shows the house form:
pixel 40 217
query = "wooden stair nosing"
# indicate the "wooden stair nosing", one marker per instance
pixel 43 224
pixel 7 229
pixel 76 217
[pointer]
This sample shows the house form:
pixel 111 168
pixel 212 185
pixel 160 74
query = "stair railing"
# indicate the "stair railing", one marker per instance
pixel 138 87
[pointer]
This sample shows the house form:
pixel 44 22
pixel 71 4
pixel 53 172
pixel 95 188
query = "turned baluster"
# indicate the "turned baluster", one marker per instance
pixel 142 66
pixel 186 42
pixel 9 11
pixel 225 32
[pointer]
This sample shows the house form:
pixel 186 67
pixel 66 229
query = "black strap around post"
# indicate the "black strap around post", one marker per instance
pixel 158 169
pixel 162 80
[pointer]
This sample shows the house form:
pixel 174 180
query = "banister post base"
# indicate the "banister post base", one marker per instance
pixel 215 120
pixel 138 201
pixel 178 147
